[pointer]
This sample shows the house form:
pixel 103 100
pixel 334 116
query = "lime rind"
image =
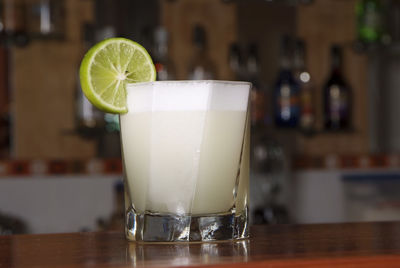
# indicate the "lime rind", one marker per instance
pixel 108 66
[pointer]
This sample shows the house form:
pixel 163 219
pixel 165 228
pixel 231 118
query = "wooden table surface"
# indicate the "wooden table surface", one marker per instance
pixel 323 245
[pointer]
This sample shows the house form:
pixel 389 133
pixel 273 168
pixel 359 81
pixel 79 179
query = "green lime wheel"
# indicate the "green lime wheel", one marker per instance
pixel 106 69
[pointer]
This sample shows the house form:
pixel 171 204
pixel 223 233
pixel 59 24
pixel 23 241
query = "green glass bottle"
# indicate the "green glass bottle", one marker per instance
pixel 369 21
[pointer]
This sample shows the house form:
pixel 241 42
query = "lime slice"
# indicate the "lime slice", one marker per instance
pixel 108 66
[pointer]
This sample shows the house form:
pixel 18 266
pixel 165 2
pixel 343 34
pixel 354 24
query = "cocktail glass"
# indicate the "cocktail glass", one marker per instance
pixel 185 148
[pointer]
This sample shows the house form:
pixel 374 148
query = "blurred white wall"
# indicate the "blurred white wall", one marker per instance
pixel 58 204
pixel 326 196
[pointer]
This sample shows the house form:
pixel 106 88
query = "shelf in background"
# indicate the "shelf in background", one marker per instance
pixel 10 168
pixel 113 166
pixel 346 161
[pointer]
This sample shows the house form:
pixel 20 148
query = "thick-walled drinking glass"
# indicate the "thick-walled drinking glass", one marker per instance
pixel 186 160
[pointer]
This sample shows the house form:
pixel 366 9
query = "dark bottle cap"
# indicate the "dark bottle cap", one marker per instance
pixel 336 50
pixel 299 54
pixel 252 60
pixel 235 53
pixel 286 42
pixel 199 36
pixel 234 49
pixel 336 55
pixel 300 46
pixel 286 52
pixel 253 50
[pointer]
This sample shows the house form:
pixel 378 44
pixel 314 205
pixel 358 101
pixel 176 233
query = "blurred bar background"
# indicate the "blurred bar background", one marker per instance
pixel 325 104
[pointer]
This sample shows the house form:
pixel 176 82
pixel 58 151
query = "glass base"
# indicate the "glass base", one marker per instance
pixel 156 227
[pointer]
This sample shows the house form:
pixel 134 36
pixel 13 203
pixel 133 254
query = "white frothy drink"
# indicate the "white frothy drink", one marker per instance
pixel 182 144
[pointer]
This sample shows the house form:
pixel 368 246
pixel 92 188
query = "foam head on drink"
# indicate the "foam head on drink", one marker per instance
pixel 182 144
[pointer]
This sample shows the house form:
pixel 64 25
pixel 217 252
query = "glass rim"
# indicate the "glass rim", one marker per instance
pixel 227 82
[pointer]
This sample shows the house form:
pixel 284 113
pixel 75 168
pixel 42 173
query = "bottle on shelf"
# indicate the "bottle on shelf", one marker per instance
pixel 110 134
pixel 201 67
pixel 14 23
pixel 164 66
pixel 286 91
pixel 5 103
pixel 235 61
pixel 268 174
pixel 337 95
pixel 89 120
pixel 267 157
pixel 302 75
pixel 258 96
pixel 369 21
